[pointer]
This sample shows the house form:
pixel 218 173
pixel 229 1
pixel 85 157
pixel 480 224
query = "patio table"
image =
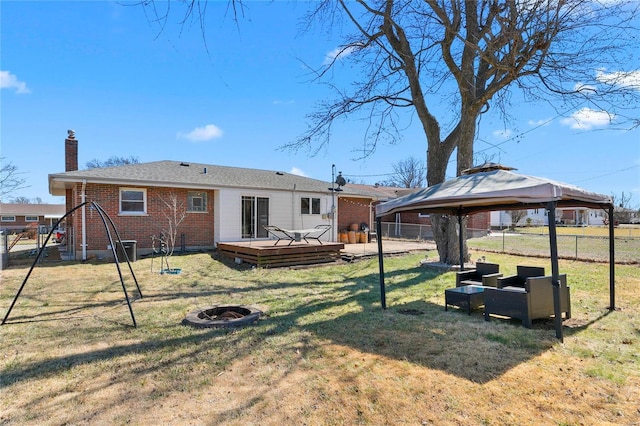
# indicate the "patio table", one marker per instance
pixel 468 297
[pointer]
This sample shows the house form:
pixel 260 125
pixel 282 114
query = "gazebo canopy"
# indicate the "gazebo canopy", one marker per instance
pixel 491 187
pixel 498 188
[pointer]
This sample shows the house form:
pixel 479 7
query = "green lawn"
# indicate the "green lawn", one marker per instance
pixel 323 353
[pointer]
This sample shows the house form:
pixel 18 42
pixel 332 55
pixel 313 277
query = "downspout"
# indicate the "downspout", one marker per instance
pixel 83 197
pixel 372 219
pixel 293 207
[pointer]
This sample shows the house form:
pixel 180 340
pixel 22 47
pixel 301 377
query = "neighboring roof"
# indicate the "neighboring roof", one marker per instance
pixel 377 192
pixel 493 190
pixel 176 174
pixel 20 209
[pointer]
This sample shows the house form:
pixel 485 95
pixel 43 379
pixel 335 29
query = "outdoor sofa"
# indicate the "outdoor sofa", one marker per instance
pixel 485 274
pixel 533 301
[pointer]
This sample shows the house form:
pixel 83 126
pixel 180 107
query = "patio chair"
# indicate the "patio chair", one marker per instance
pixel 519 279
pixel 292 235
pixel 485 274
pixel 533 301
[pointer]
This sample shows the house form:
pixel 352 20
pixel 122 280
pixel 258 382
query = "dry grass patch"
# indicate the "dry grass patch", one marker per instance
pixel 324 353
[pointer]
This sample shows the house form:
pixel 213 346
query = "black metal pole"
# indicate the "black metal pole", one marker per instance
pixel 612 261
pixel 383 295
pixel 15 299
pixel 555 275
pixel 461 240
pixel 99 208
pixel 115 258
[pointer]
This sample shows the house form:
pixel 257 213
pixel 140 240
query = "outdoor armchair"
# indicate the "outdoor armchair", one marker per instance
pixel 533 301
pixel 485 274
pixel 518 280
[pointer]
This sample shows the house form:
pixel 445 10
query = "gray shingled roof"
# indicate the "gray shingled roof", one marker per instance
pixel 19 209
pixel 382 193
pixel 192 175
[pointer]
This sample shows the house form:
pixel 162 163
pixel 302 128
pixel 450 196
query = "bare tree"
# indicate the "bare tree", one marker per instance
pixel 174 214
pixel 471 55
pixel 22 200
pixel 517 216
pixel 111 162
pixel 10 180
pixel 190 13
pixel 622 210
pixel 408 173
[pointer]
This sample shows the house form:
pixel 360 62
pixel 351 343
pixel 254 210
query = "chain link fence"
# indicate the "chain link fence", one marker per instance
pixel 416 232
pixel 578 246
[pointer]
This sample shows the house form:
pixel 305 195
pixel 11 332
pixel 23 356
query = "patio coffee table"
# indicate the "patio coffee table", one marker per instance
pixel 468 297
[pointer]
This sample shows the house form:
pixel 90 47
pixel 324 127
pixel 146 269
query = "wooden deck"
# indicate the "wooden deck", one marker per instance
pixel 264 254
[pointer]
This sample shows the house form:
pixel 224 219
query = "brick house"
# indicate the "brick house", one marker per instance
pixel 356 204
pixel 220 204
pixel 16 217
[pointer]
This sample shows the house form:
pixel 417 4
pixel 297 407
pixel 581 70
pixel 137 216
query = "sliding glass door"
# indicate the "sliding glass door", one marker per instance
pixel 255 214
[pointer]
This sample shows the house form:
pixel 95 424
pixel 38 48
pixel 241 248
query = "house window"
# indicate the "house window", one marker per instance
pixel 423 215
pixel 255 214
pixel 197 201
pixel 8 218
pixel 309 205
pixel 133 201
pixel 31 218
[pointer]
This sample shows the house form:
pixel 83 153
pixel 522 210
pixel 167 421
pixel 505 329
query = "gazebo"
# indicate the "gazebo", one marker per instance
pixel 491 187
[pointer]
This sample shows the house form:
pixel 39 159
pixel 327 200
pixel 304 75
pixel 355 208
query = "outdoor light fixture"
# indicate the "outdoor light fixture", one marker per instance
pixel 339 180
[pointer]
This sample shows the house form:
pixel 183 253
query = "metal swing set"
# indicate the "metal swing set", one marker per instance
pixel 109 226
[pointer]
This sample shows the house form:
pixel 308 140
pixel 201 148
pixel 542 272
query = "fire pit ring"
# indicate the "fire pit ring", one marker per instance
pixel 222 316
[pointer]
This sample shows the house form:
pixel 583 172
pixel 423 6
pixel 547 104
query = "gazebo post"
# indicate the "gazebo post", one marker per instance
pixel 555 276
pixel 460 240
pixel 383 295
pixel 612 261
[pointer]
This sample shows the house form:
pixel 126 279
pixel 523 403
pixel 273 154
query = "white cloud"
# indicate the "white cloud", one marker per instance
pixel 542 122
pixel 338 53
pixel 503 134
pixel 581 87
pixel 297 171
pixel 10 81
pixel 280 102
pixel 586 119
pixel 629 79
pixel 201 134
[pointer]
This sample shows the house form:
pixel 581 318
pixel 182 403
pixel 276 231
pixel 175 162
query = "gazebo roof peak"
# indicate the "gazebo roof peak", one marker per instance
pixel 486 167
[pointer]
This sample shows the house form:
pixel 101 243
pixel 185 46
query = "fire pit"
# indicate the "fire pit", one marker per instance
pixel 222 316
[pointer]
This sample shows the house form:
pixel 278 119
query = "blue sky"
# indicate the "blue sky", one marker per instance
pixel 102 69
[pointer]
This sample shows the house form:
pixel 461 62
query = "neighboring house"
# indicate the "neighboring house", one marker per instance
pixel 17 217
pixel 356 203
pixel 221 204
pixel 398 225
pixel 539 217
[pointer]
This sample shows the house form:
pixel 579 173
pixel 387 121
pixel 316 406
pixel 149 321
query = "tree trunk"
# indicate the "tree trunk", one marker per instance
pixel 445 233
pixel 445 227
